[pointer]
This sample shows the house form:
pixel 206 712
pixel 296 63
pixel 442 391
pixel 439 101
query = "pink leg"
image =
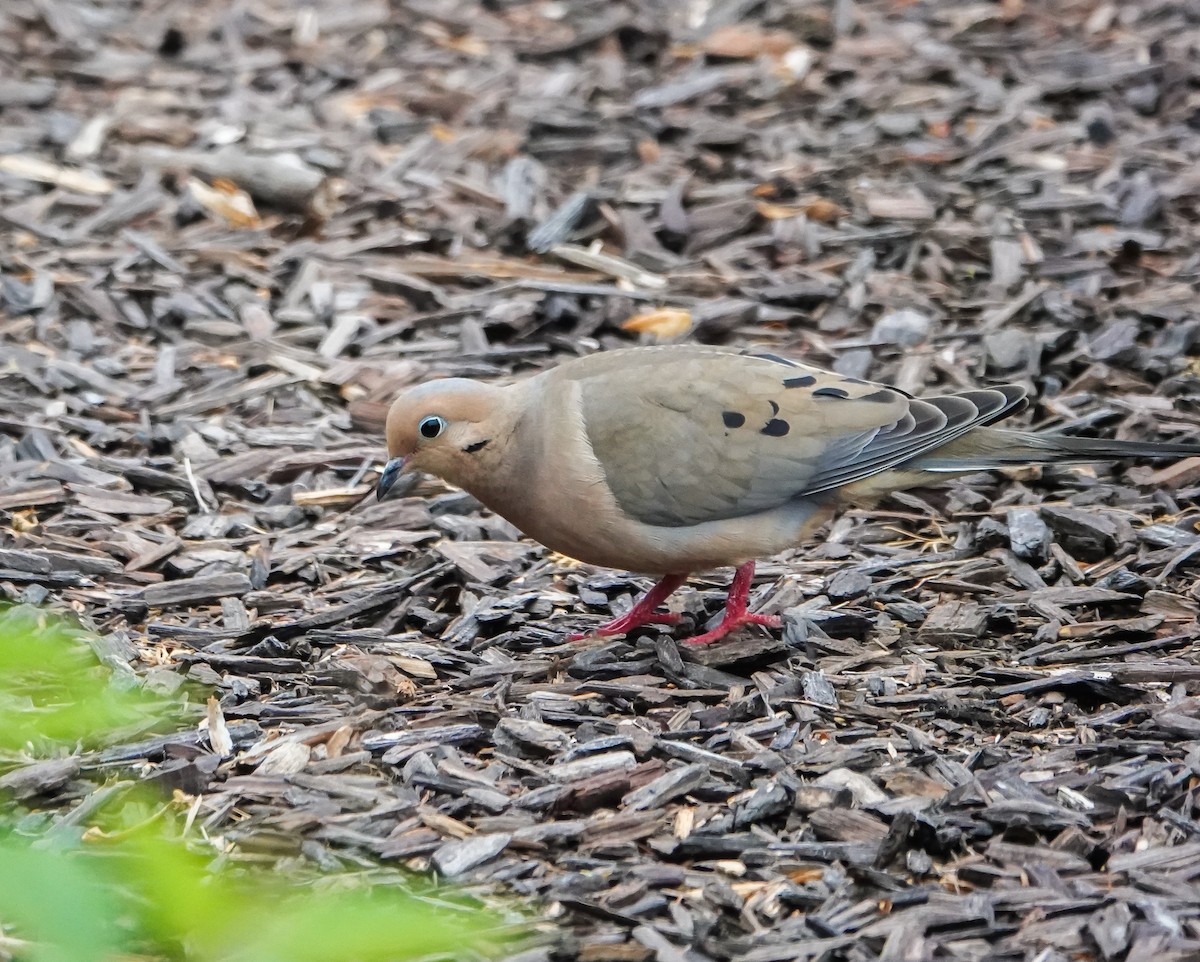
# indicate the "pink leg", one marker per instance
pixel 642 613
pixel 736 614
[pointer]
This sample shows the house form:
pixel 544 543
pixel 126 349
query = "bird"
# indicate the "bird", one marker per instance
pixel 673 459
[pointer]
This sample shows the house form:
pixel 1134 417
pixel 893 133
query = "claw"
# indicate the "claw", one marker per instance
pixel 619 626
pixel 642 613
pixel 730 623
pixel 736 615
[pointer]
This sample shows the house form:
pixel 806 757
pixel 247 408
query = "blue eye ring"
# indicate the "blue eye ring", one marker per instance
pixel 431 426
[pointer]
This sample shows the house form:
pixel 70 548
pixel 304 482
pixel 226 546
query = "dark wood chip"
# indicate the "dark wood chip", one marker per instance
pixel 227 242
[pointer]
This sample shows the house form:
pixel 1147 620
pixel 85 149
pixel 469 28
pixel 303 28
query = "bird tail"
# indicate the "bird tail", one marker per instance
pixel 988 448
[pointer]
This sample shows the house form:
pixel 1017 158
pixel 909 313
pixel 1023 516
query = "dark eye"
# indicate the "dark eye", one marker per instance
pixel 431 426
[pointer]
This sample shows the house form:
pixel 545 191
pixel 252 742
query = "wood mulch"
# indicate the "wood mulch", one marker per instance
pixel 230 231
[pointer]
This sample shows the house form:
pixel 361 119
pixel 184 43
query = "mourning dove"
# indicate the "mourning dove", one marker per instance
pixel 669 460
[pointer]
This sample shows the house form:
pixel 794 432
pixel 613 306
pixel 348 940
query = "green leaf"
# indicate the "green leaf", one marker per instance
pixel 139 888
pixel 56 695
pixel 58 902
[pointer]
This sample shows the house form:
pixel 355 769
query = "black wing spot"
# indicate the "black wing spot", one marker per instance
pixel 776 428
pixel 854 380
pixel 830 392
pixel 804 380
pixel 733 419
pixel 774 408
pixel 477 446
pixel 776 358
pixel 886 395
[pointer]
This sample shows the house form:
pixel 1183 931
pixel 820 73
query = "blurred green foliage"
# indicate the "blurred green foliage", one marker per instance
pixel 72 895
pixel 148 894
pixel 55 696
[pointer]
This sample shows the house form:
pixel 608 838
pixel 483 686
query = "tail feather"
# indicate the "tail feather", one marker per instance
pixel 988 448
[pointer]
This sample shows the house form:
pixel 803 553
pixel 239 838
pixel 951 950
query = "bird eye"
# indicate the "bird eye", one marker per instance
pixel 430 427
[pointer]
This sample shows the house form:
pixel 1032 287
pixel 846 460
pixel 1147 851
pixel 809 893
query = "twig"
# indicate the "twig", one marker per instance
pixel 187 469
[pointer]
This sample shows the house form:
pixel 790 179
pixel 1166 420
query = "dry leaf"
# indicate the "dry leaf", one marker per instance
pixel 914 783
pixel 743 41
pixel 44 172
pixel 218 732
pixel 331 497
pixel 913 206
pixel 649 151
pixel 816 208
pixel 663 322
pixel 377 670
pixel 337 742
pixel 226 200
pixel 23 521
pixel 472 46
pixel 446 825
pixel 458 42
pixel 803 876
pixel 826 211
pixel 1011 9
pixel 415 667
pixel 287 759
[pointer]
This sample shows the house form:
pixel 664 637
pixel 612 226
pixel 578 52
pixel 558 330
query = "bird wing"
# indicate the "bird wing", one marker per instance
pixel 688 436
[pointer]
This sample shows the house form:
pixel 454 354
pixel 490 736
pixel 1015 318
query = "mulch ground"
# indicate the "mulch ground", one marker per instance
pixel 230 231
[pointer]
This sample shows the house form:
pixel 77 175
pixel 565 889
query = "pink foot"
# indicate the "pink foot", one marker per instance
pixel 624 624
pixel 736 615
pixel 642 613
pixel 729 624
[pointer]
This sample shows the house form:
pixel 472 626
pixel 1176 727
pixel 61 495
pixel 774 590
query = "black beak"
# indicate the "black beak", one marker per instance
pixel 388 478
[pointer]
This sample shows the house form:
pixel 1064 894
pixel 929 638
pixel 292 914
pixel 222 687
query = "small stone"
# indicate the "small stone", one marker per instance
pixel 899 124
pixel 1087 535
pixel 1028 535
pixel 817 689
pixel 918 862
pixel 593 765
pixel 456 857
pixel 909 612
pixel 848 583
pixel 535 737
pixel 954 623
pixel 667 787
pixel 1144 98
pixel 1008 349
pixel 854 363
pixel 861 788
pixel 765 801
pixel 1116 341
pixel 904 327
pixel 991 533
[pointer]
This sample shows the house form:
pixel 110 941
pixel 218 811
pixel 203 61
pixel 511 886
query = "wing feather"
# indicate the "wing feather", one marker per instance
pixel 691 435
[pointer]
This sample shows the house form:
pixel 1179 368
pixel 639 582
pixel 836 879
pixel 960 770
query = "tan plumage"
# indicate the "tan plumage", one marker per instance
pixel 667 460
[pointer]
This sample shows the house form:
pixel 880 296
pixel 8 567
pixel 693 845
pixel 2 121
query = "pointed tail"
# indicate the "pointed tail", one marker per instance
pixel 988 448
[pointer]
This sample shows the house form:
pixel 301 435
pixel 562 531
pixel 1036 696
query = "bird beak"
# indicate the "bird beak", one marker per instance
pixel 390 475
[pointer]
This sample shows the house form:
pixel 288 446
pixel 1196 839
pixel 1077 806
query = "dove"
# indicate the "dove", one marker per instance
pixel 674 459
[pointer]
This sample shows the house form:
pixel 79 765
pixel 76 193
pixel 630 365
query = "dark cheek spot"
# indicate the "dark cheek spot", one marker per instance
pixel 733 419
pixel 804 380
pixel 477 446
pixel 776 428
pixel 830 392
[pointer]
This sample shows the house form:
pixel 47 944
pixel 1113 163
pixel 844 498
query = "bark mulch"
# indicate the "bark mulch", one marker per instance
pixel 230 231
